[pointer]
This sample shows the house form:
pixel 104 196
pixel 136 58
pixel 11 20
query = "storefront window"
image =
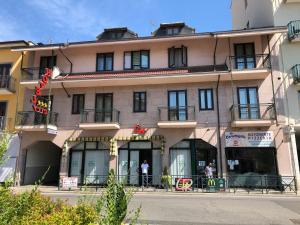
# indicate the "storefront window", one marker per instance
pixel 251 161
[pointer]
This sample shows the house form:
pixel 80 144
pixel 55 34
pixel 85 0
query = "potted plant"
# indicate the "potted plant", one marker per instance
pixel 166 179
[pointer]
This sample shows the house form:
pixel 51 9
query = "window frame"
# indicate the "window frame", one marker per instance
pixel 105 55
pixel 138 109
pixel 131 61
pixel 206 99
pixel 73 112
pixel 183 57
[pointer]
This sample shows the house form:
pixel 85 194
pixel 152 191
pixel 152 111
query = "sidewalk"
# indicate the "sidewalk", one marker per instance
pixel 53 190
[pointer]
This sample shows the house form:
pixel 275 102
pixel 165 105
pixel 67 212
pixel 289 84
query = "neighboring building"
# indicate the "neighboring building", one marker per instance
pixel 11 98
pixel 201 97
pixel 263 13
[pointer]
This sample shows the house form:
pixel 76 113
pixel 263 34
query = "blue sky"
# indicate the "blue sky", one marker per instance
pixel 79 20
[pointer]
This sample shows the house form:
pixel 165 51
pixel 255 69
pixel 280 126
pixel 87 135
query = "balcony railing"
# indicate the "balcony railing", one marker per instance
pixel 94 116
pixel 294 29
pixel 244 112
pixel 30 118
pixel 184 113
pixel 296 73
pixel 8 82
pixel 32 73
pixel 259 61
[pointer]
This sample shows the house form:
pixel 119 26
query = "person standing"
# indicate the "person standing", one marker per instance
pixel 145 168
pixel 209 171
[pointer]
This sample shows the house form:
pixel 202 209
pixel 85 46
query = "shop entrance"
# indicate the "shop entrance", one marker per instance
pixel 131 157
pixel 40 157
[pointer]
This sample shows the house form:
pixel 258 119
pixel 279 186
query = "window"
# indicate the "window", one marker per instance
pixel 248 103
pixel 46 62
pixel 105 61
pixel 136 60
pixel 177 57
pixel 245 56
pixel 206 100
pixel 177 109
pixel 4 75
pixel 172 30
pixel 139 102
pixel 78 103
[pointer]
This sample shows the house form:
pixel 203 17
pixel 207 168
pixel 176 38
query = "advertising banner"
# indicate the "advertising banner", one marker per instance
pixel 68 183
pixel 249 139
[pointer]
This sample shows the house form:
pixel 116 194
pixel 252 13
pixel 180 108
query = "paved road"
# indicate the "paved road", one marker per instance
pixel 211 209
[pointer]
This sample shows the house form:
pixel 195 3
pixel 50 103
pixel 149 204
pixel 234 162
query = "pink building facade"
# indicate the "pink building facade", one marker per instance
pixel 199 98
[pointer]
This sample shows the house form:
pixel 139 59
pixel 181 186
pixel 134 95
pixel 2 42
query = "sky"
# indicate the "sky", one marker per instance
pixel 52 21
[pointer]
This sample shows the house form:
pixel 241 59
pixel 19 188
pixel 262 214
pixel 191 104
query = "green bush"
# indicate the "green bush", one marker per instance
pixel 32 208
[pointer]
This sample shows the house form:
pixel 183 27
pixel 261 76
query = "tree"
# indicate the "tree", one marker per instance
pixel 4 141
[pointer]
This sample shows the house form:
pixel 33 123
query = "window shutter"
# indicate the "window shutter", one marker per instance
pixel 184 55
pixel 171 57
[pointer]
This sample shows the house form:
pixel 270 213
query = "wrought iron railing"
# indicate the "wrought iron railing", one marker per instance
pixel 198 183
pixel 249 62
pixel 98 116
pixel 296 73
pixel 32 118
pixel 264 111
pixel 184 113
pixel 294 29
pixel 8 82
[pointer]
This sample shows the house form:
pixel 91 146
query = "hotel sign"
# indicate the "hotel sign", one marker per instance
pixel 249 139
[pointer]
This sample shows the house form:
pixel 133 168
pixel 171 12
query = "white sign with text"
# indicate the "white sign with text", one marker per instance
pixel 249 139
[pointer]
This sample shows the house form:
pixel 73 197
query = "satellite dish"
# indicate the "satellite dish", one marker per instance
pixel 55 72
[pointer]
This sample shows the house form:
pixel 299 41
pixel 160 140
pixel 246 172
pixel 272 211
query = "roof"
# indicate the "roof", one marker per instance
pixel 16 43
pixel 117 29
pixel 219 34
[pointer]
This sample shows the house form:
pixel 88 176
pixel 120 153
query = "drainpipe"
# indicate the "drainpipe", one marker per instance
pixel 219 129
pixel 273 91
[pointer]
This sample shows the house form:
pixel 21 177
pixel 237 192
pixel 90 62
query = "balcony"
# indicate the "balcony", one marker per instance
pixel 32 121
pixel 294 30
pixel 177 117
pixel 296 73
pixel 248 67
pixel 252 115
pixel 100 120
pixel 7 85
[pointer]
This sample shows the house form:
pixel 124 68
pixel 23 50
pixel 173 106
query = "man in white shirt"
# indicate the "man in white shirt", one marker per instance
pixel 209 171
pixel 145 168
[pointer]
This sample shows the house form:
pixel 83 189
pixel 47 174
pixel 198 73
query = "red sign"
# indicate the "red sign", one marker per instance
pixel 38 105
pixel 138 130
pixel 184 184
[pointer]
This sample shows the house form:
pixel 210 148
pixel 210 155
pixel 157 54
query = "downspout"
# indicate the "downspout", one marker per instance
pixel 219 129
pixel 218 114
pixel 272 81
pixel 71 64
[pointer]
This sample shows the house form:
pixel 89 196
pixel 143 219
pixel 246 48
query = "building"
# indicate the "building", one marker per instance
pixel 178 99
pixel 264 13
pixel 11 96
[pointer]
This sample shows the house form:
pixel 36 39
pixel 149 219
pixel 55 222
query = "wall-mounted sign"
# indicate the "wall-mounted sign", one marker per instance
pixel 215 184
pixel 184 184
pixel 68 183
pixel 249 139
pixel 139 130
pixel 41 105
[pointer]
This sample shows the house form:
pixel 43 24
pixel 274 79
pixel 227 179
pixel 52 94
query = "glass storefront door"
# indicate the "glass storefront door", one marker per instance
pixel 134 167
pixel 76 165
pixel 181 163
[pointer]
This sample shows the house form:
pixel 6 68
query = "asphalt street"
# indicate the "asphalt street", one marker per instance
pixel 209 209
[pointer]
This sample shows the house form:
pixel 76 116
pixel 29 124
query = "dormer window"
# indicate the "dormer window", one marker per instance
pixel 172 31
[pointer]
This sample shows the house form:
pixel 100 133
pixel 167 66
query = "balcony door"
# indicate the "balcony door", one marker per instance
pixel 104 107
pixel 4 75
pixel 177 109
pixel 248 103
pixel 40 118
pixel 244 56
pixel 3 106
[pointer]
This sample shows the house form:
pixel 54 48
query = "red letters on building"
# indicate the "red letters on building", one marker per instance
pixel 42 83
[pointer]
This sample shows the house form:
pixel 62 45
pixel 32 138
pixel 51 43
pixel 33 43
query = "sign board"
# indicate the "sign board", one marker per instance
pixel 215 185
pixel 68 183
pixel 51 131
pixel 249 139
pixel 183 184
